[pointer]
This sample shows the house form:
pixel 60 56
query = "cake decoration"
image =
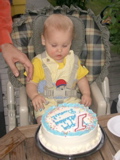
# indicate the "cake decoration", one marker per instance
pixel 64 120
pixel 80 122
pixel 69 128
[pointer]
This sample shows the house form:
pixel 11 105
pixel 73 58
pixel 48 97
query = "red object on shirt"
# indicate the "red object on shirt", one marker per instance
pixel 61 82
pixel 5 22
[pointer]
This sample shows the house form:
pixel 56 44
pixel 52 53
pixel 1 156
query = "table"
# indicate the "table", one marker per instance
pixel 19 144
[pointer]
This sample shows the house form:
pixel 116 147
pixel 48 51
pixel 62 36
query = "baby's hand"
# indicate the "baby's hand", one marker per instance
pixel 38 101
pixel 86 100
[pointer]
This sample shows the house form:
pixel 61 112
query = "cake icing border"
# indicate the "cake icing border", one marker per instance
pixel 82 148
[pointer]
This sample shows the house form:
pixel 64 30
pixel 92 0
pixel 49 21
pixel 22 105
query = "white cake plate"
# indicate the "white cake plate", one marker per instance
pixel 69 157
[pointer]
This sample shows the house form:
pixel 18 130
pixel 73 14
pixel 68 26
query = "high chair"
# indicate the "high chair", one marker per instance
pixel 91 44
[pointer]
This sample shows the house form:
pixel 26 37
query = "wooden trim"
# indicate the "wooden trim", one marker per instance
pixel 19 144
pixel 104 119
pixel 28 131
pixel 10 141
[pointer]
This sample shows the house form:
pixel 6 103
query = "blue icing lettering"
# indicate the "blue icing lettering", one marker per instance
pixel 66 123
pixel 71 111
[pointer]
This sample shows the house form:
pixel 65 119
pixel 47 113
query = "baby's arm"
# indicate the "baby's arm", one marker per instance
pixel 85 90
pixel 37 99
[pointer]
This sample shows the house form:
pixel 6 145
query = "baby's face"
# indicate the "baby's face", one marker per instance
pixel 57 44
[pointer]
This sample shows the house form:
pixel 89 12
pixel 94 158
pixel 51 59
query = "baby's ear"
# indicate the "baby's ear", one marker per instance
pixel 42 40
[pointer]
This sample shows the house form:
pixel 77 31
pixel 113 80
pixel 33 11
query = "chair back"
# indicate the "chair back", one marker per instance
pixel 91 42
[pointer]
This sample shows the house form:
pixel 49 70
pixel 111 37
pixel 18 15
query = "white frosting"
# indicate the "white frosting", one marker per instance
pixel 70 145
pixel 59 133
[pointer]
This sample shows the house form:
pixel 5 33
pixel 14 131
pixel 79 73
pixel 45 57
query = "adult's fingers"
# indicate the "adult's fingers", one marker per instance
pixel 13 68
pixel 29 69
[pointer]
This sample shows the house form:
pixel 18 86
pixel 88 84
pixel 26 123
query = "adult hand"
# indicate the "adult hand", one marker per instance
pixel 13 55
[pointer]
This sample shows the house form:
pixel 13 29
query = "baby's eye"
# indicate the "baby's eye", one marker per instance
pixel 64 46
pixel 54 45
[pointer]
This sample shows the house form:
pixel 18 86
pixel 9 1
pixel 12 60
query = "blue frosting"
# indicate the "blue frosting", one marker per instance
pixel 69 121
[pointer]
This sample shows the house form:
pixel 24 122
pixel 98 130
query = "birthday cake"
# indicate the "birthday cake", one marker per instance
pixel 69 129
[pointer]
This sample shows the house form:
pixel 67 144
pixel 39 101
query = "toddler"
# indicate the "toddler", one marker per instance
pixel 58 73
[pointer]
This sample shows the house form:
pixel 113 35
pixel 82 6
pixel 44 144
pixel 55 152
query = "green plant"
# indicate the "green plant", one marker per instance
pixel 97 6
pixel 79 3
pixel 112 13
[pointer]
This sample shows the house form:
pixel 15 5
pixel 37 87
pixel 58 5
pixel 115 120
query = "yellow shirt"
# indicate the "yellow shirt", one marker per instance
pixel 39 74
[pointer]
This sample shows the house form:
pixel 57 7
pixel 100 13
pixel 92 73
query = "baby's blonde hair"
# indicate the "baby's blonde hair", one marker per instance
pixel 58 22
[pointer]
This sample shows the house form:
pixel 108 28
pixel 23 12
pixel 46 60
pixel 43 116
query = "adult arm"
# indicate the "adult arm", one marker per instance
pixel 10 53
pixel 5 22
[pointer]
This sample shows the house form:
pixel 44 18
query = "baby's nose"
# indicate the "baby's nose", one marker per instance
pixel 59 49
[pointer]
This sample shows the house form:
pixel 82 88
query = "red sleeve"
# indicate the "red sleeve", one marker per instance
pixel 5 22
